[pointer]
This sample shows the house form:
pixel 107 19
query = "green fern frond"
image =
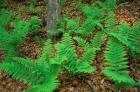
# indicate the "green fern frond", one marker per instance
pixel 93 12
pixel 116 63
pixel 108 4
pixel 32 72
pixel 47 87
pixel 110 20
pixel 82 42
pixel 10 41
pixel 128 36
pixel 134 38
pixel 71 24
pixel 89 26
pixel 5 16
pixel 72 63
pixel 47 52
pixel 36 74
pixel 88 56
pixel 67 49
pixel 85 62
pixel 97 40
pixel 35 23
pixel 18 35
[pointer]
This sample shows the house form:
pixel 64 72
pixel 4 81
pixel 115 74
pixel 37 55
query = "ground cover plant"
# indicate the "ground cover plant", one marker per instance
pixel 89 41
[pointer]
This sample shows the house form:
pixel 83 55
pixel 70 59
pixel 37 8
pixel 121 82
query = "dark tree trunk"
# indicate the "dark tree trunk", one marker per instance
pixel 52 17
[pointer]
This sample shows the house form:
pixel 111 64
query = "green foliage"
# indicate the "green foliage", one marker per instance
pixel 63 1
pixel 66 49
pixel 5 16
pixel 3 3
pixel 85 62
pixel 82 42
pixel 115 56
pixel 98 15
pixel 35 23
pixel 39 40
pixel 95 42
pixel 73 64
pixel 47 52
pixel 134 38
pixel 41 74
pixel 33 1
pixel 36 74
pixel 108 4
pixel 34 10
pixel 128 36
pixel 93 12
pixel 98 40
pixel 10 40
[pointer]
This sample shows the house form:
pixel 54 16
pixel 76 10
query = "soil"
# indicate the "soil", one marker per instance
pixel 96 82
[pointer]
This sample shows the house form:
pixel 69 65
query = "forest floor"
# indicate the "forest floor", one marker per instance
pixel 96 82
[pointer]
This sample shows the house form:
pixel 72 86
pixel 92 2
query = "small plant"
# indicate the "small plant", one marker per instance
pixel 116 63
pixel 73 64
pixel 41 74
pixel 35 23
pixel 11 40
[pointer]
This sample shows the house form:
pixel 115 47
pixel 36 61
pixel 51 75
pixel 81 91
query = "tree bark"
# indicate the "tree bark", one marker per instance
pixel 52 17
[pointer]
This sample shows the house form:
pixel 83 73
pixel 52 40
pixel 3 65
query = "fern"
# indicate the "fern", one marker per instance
pixel 11 40
pixel 5 16
pixel 128 36
pixel 116 63
pixel 89 26
pixel 41 74
pixel 108 4
pixel 35 23
pixel 47 52
pixel 134 38
pixel 82 42
pixel 21 70
pixel 19 33
pixel 92 12
pixel 98 40
pixel 84 65
pixel 95 42
pixel 67 49
pixel 34 10
pixel 46 87
pixel 29 72
pixel 73 64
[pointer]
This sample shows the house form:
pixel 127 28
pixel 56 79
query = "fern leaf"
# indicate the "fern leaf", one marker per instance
pixel 69 47
pixel 81 42
pixel 84 65
pixel 134 38
pixel 46 53
pixel 97 40
pixel 115 59
pixel 49 86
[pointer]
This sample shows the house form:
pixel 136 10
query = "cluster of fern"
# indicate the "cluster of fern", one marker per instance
pixel 100 16
pixel 42 73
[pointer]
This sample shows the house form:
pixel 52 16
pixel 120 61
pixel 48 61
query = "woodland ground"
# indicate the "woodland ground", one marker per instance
pixel 96 82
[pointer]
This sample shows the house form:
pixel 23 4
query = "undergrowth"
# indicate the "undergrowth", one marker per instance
pixel 42 73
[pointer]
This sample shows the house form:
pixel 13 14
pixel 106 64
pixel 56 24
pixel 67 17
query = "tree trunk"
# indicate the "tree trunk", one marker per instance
pixel 52 17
